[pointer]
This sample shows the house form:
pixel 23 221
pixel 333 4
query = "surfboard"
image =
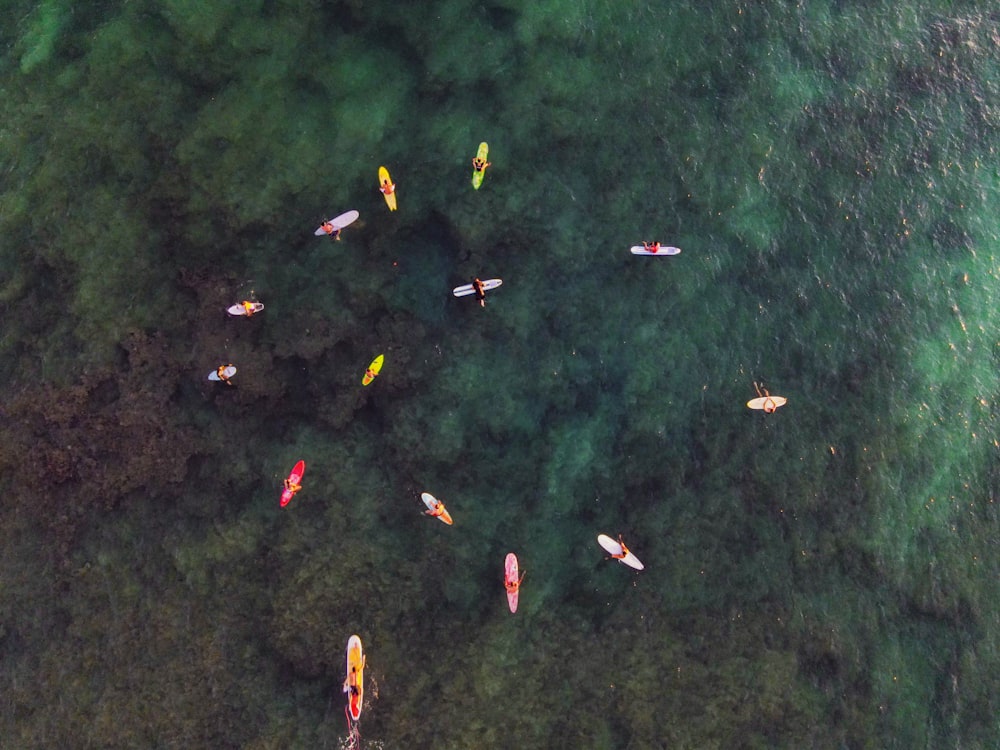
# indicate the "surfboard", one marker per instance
pixel 338 222
pixel 240 311
pixel 295 477
pixel 467 289
pixel 510 575
pixel 614 548
pixel 760 402
pixel 355 677
pixel 664 250
pixel 479 174
pixel 430 501
pixel 373 369
pixel 390 198
pixel 229 372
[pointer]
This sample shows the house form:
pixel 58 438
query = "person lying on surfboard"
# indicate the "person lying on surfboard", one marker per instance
pixel 480 164
pixel 653 247
pixel 221 372
pixel 331 230
pixel 480 292
pixel 513 586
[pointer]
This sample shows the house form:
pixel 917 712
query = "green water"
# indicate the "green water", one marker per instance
pixel 825 576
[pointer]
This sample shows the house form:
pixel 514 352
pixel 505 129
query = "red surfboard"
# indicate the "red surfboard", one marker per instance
pixel 294 478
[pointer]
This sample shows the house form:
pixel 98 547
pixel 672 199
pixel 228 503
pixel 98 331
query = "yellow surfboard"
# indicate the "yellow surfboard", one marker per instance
pixel 478 175
pixel 354 685
pixel 385 181
pixel 373 369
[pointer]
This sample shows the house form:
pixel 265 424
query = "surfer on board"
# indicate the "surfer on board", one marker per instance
pixel 331 230
pixel 291 486
pixel 653 247
pixel 513 586
pixel 624 553
pixel 770 405
pixel 351 683
pixel 437 510
pixel 477 285
pixel 249 308
pixel 387 188
pixel 221 373
pixel 480 164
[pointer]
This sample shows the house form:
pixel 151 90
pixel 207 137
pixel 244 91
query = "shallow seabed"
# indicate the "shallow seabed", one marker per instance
pixel 824 576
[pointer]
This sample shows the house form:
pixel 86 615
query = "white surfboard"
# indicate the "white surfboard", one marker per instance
pixel 238 310
pixel 339 222
pixel 214 375
pixel 761 402
pixel 614 548
pixel 664 250
pixel 466 289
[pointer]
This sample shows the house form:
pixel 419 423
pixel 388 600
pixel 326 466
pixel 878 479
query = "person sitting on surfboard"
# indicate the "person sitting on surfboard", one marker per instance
pixel 292 486
pixel 480 291
pixel 769 404
pixel 387 188
pixel 480 164
pixel 331 230
pixel 437 510
pixel 513 586
pixel 248 307
pixel 351 683
pixel 624 553
pixel 221 372
pixel 653 247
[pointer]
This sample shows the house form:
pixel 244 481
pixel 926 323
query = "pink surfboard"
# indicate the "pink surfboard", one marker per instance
pixel 510 575
pixel 295 477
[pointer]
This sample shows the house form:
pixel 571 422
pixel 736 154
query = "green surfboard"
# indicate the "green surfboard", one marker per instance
pixel 479 174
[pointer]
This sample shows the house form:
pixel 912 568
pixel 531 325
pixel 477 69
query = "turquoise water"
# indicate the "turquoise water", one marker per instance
pixel 825 576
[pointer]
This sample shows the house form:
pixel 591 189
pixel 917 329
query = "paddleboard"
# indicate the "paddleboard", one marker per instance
pixel 430 501
pixel 664 250
pixel 355 677
pixel 373 369
pixel 229 372
pixel 239 310
pixel 295 478
pixel 760 402
pixel 614 548
pixel 510 575
pixel 338 222
pixel 479 174
pixel 390 198
pixel 466 289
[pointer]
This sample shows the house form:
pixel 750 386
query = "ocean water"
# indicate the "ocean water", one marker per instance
pixel 822 577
